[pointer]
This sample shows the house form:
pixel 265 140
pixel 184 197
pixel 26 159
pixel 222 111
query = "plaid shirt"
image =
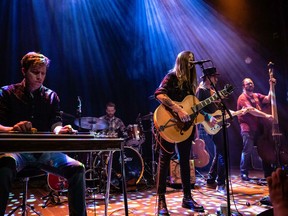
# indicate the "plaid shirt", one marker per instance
pixel 114 125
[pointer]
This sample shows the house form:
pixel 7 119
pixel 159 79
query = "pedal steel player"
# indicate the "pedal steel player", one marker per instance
pixel 28 105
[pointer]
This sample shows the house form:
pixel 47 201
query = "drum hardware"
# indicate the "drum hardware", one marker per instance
pixel 58 187
pixel 91 123
pixel 94 175
pixel 134 167
pixel 53 198
pixel 153 164
pixel 135 135
pixel 65 115
pixel 94 169
pixel 148 116
pixel 153 146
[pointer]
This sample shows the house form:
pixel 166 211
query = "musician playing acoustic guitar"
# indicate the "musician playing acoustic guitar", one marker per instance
pixel 176 85
pixel 27 105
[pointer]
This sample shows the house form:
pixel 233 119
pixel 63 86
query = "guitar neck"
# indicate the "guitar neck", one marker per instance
pixel 274 105
pixel 204 103
pixel 273 94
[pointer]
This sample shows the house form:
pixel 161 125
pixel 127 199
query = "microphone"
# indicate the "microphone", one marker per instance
pixel 270 65
pixel 200 62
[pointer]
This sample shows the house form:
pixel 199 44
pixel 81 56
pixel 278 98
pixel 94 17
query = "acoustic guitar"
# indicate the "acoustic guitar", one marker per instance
pixel 200 156
pixel 168 123
pixel 212 130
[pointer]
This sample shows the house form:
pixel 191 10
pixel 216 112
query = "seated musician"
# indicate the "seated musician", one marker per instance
pixel 28 105
pixel 116 127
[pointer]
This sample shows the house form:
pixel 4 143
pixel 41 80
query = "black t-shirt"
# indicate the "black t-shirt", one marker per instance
pixel 170 87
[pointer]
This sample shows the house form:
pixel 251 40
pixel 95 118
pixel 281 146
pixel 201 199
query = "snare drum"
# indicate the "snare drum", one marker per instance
pixel 135 135
pixel 134 167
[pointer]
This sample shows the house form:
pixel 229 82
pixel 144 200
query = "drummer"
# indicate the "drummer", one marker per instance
pixel 116 127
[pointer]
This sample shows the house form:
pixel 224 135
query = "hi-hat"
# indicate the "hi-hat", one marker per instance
pixel 91 123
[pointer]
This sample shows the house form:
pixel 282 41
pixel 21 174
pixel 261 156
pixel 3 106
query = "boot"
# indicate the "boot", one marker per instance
pixel 162 207
pixel 190 203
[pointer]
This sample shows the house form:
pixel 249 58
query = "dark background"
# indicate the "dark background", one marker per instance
pixel 119 50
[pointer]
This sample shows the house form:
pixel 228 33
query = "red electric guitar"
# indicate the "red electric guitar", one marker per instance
pixel 57 183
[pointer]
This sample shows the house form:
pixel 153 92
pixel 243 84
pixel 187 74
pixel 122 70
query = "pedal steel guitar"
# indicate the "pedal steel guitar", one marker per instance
pixel 81 142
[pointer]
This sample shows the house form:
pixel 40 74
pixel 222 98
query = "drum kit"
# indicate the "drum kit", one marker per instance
pixel 96 162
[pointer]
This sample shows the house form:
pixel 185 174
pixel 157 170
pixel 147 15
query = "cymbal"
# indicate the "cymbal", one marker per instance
pixel 91 123
pixel 147 117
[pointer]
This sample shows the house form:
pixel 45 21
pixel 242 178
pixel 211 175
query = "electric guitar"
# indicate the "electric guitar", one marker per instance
pixel 57 183
pixel 168 123
pixel 212 130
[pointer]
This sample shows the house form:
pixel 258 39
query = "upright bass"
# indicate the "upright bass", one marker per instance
pixel 271 145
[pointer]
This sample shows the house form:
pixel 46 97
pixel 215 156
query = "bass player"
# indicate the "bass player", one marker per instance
pixel 249 124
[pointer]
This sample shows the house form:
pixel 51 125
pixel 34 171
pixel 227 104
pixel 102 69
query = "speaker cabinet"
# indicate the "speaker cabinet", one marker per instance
pixel 175 177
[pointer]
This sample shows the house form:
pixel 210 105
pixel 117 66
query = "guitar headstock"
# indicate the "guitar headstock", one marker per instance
pixel 228 89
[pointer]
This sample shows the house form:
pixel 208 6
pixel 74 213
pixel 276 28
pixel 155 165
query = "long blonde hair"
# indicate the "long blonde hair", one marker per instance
pixel 183 73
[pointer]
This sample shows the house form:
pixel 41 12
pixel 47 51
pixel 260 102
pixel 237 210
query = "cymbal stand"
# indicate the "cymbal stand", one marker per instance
pixel 79 112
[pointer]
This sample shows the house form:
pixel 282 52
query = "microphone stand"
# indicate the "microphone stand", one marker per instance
pixel 226 153
pixel 79 112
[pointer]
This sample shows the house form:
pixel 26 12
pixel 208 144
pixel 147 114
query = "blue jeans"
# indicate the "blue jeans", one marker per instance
pixel 248 145
pixel 56 163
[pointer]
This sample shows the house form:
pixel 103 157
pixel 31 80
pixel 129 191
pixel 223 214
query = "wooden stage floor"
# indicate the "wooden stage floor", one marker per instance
pixel 245 198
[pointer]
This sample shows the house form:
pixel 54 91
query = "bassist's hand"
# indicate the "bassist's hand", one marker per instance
pixel 272 80
pixel 269 117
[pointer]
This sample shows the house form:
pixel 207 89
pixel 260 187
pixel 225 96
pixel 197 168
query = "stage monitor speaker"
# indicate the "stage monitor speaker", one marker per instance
pixel 268 212
pixel 175 177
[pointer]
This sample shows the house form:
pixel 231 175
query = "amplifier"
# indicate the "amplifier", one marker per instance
pixel 175 177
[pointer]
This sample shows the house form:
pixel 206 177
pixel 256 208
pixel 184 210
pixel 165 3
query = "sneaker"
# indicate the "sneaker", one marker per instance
pixel 245 177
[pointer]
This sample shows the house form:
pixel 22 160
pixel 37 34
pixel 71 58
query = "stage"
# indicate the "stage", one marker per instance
pixel 142 200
